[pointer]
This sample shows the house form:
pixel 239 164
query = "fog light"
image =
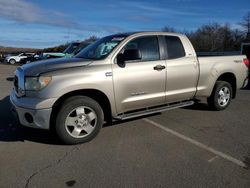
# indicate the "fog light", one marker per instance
pixel 28 117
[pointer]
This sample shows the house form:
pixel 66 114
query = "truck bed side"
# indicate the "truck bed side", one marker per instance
pixel 212 68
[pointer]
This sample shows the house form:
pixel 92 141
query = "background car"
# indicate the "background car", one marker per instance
pixel 18 58
pixel 73 49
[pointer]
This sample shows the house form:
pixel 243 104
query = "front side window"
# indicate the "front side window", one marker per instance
pixel 174 47
pixel 148 47
pixel 101 48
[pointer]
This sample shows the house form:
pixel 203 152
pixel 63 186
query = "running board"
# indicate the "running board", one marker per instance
pixel 153 110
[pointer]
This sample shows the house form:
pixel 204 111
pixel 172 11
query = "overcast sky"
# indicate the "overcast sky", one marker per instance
pixel 46 23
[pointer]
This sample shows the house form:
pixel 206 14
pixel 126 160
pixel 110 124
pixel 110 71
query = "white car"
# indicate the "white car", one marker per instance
pixel 17 59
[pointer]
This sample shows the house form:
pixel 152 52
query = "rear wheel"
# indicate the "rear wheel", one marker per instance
pixel 12 61
pixel 79 120
pixel 221 96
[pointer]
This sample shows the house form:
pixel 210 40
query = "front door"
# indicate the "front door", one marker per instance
pixel 140 83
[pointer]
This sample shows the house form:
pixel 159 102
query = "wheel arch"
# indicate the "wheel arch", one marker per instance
pixel 231 79
pixel 95 94
pixel 12 59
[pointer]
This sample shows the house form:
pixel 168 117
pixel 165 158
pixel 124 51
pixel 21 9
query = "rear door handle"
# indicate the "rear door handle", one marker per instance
pixel 159 67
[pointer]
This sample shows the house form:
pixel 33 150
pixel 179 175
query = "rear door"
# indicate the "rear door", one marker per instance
pixel 182 70
pixel 140 83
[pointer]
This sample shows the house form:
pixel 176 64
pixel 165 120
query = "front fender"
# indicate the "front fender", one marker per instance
pixel 80 78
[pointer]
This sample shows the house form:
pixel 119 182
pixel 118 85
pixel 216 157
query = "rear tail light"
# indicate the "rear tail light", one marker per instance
pixel 246 62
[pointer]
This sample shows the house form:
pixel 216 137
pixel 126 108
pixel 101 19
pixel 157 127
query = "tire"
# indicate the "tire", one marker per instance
pixel 12 61
pixel 79 120
pixel 221 96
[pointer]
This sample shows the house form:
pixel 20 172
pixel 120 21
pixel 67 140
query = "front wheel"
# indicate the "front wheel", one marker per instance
pixel 12 61
pixel 221 96
pixel 79 120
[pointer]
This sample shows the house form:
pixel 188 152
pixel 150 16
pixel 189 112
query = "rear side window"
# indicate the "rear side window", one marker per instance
pixel 148 46
pixel 175 47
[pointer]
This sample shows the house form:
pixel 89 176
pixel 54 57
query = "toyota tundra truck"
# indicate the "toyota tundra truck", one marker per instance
pixel 119 77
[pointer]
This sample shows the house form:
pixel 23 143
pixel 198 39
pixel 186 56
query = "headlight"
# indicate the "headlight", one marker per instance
pixel 36 83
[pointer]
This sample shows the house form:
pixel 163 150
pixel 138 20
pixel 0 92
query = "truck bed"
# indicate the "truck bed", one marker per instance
pixel 212 67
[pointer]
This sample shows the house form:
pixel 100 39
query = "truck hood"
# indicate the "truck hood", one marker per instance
pixel 39 67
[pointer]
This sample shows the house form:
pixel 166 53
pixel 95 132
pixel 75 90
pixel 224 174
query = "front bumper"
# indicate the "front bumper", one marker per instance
pixel 30 117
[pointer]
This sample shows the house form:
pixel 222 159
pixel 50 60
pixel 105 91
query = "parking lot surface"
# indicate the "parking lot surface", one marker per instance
pixel 188 147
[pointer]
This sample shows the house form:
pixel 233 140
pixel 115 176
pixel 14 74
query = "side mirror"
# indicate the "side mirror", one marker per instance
pixel 120 59
pixel 128 55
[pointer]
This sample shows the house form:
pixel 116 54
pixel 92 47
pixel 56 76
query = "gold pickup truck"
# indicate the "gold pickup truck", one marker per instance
pixel 119 77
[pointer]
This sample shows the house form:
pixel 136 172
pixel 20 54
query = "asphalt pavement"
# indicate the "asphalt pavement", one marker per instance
pixel 187 147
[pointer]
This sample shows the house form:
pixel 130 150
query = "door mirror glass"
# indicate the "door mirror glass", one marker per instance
pixel 120 58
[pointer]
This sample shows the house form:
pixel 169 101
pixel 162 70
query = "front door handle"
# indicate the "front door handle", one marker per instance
pixel 159 67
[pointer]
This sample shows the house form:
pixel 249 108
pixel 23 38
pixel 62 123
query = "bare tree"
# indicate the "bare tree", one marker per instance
pixel 245 23
pixel 169 29
pixel 92 38
pixel 214 37
pixel 237 39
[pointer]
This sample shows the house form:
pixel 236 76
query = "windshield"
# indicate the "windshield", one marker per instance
pixel 71 48
pixel 101 48
pixel 80 47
